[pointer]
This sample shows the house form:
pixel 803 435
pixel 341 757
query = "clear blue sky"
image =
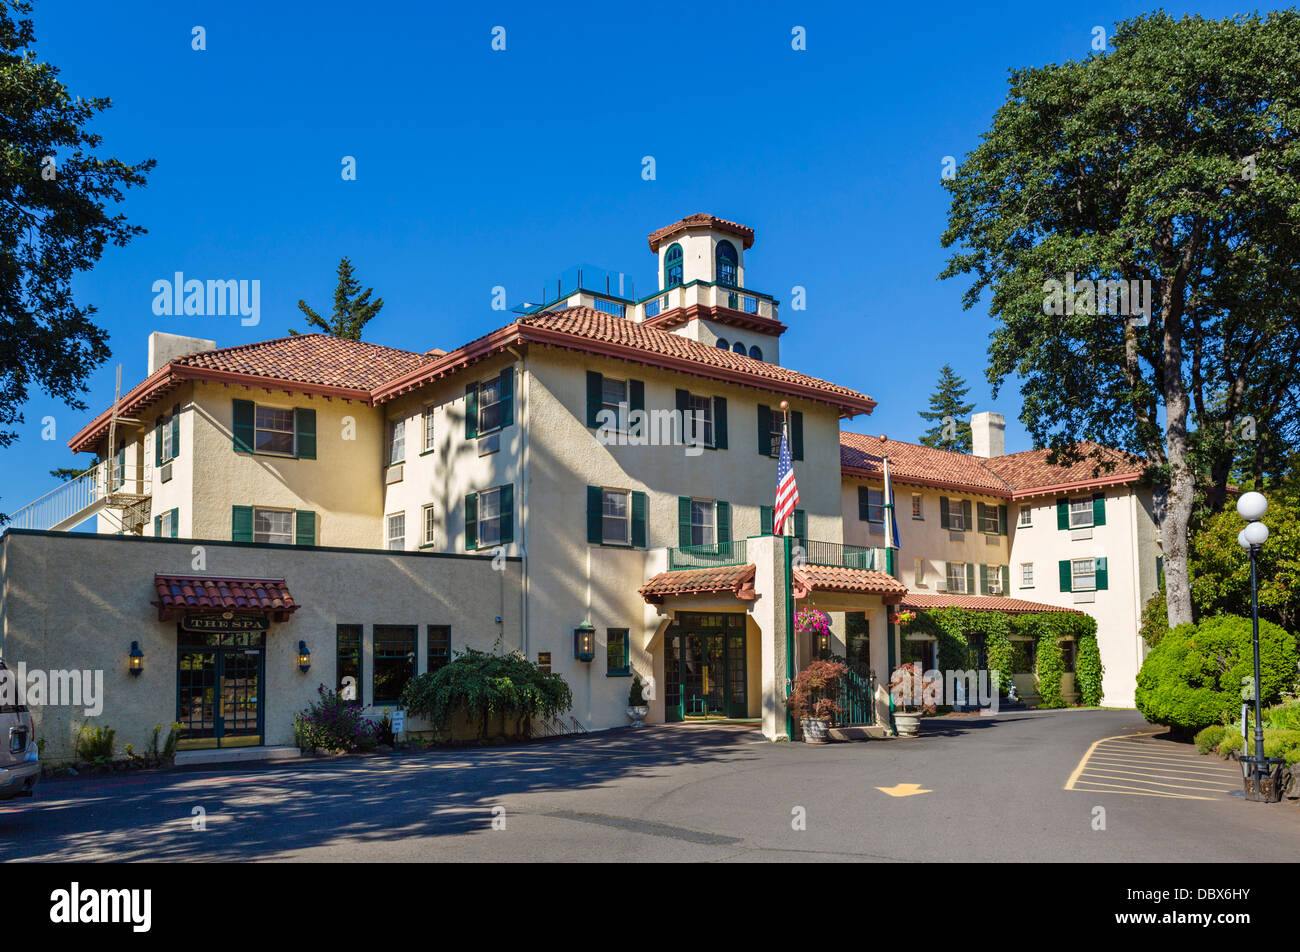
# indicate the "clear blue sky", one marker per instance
pixel 478 168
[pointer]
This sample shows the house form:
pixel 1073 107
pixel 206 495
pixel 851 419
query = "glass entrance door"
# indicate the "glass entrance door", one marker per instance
pixel 219 699
pixel 704 666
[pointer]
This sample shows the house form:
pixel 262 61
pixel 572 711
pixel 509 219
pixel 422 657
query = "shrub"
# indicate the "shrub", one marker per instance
pixel 1049 668
pixel 333 723
pixel 1284 716
pixel 1088 670
pixel 482 684
pixel 95 744
pixel 636 694
pixel 1208 739
pixel 815 689
pixel 1277 743
pixel 1155 619
pixel 1193 677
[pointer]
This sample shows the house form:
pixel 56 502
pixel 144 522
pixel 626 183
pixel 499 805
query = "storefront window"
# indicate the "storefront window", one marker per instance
pixel 349 662
pixel 439 646
pixel 394 661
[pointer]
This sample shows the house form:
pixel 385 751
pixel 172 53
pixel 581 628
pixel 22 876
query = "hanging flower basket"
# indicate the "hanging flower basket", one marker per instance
pixel 902 618
pixel 811 621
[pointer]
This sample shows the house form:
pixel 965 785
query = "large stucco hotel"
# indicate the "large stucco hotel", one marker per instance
pixel 379 509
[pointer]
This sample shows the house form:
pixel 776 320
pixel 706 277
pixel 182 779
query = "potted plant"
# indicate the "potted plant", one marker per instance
pixel 907 688
pixel 637 709
pixel 812 699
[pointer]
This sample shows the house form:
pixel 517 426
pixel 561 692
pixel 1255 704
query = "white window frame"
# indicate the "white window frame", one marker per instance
pixel 168 449
pixel 993 574
pixel 623 407
pixel 269 536
pixel 489 526
pixel 429 428
pixel 492 386
pixel 991 513
pixel 1026 517
pixel 704 405
pixel 429 523
pixel 917 511
pixel 918 572
pixel 606 518
pixel 876 507
pixel 168 518
pixel 1075 574
pixel 961 577
pixel 395 541
pixel 1084 507
pixel 956 516
pixel 258 428
pixel 709 527
pixel 397 441
pixel 1026 574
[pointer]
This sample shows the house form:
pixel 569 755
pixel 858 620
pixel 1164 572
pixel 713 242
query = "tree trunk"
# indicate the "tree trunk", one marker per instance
pixel 1182 488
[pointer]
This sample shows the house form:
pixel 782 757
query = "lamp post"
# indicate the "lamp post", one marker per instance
pixel 1258 771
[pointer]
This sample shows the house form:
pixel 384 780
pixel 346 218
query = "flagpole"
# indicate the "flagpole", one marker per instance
pixel 786 530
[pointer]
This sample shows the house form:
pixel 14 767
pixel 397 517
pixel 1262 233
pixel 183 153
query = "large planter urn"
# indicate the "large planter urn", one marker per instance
pixel 908 724
pixel 638 714
pixel 816 730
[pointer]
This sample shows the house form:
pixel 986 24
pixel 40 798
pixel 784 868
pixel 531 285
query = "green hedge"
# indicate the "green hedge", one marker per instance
pixel 1088 670
pixel 1277 743
pixel 1209 738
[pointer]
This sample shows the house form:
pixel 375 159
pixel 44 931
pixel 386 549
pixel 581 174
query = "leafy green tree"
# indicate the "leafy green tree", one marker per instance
pixel 55 191
pixel 65 473
pixel 353 309
pixel 949 414
pixel 1173 159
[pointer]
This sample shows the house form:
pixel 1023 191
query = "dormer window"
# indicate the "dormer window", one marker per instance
pixel 727 268
pixel 673 266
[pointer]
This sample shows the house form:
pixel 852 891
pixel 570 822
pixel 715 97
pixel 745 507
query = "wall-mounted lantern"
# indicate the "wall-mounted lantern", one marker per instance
pixel 823 644
pixel 304 657
pixel 135 660
pixel 584 641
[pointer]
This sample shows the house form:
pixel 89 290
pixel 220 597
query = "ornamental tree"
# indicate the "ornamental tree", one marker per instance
pixel 1171 164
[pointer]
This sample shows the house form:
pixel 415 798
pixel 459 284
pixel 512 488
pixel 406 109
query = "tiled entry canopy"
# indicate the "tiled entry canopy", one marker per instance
pixel 180 593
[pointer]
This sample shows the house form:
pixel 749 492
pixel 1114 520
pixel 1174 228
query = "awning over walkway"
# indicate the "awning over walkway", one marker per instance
pixel 736 579
pixel 834 578
pixel 263 596
pixel 987 603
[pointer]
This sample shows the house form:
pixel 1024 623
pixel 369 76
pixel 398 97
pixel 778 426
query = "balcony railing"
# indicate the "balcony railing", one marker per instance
pixel 104 484
pixel 812 552
pixel 707 556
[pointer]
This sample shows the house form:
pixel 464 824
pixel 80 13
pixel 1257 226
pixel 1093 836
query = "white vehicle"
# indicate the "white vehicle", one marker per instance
pixel 20 763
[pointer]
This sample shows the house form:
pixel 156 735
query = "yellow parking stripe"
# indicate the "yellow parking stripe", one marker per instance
pixel 1135 793
pixel 1124 764
pixel 1177 768
pixel 1111 775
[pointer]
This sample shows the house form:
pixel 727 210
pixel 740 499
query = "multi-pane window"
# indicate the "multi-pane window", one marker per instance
pixel 544 662
pixel 916 506
pixel 439 646
pixel 919 574
pixel 775 435
pixel 394 661
pixel 988 519
pixel 957 577
pixel 396 531
pixel 1083 575
pixel 273 525
pixel 396 441
pixel 956 516
pixel 994 575
pixel 273 431
pixel 428 428
pixel 348 662
pixel 489 405
pixel 1026 574
pixel 1026 516
pixel 726 264
pixel 616 517
pixel 119 464
pixel 1080 513
pixel 857 630
pixel 430 525
pixel 673 266
pixel 489 517
pixel 616 651
pixel 168 523
pixel 700 419
pixel 168 434
pixel 613 398
pixel 703 522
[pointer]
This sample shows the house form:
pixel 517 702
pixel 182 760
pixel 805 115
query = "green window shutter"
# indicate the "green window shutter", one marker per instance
pixel 304 424
pixel 970 577
pixel 979 513
pixel 471 522
pixel 471 411
pixel 1002 520
pixel 640 519
pixel 157 527
pixel 944 521
pixel 635 395
pixel 304 527
pixel 595 514
pixel 966 514
pixel 1099 509
pixel 595 395
pixel 801 524
pixel 720 422
pixel 158 443
pixel 1103 579
pixel 764 431
pixel 241 523
pixel 766 519
pixel 723 512
pixel 507 396
pixel 683 519
pixel 943 579
pixel 1006 580
pixel 175 424
pixel 507 513
pixel 1063 517
pixel 176 523
pixel 1067 580
pixel 796 435
pixel 864 504
pixel 242 428
pixel 984 579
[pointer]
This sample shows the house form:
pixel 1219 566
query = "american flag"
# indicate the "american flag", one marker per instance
pixel 787 491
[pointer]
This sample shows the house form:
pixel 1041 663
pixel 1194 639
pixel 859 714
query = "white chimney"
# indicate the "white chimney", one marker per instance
pixel 988 434
pixel 164 348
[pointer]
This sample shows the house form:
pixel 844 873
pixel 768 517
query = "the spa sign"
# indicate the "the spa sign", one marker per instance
pixel 225 623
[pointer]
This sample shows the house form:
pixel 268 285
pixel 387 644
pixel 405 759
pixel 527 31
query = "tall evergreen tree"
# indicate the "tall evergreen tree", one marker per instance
pixel 950 416
pixel 353 309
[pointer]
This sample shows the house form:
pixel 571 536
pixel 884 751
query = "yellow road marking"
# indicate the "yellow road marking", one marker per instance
pixel 904 790
pixel 1184 785
pixel 1176 768
pixel 1127 765
pixel 1136 793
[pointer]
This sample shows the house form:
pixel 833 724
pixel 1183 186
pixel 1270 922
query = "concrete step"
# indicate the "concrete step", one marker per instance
pixel 857 733
pixel 235 755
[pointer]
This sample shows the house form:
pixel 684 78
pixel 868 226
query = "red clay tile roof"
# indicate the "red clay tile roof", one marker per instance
pixel 591 331
pixel 833 578
pixel 192 592
pixel 737 579
pixel 702 220
pixel 1014 476
pixel 990 603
